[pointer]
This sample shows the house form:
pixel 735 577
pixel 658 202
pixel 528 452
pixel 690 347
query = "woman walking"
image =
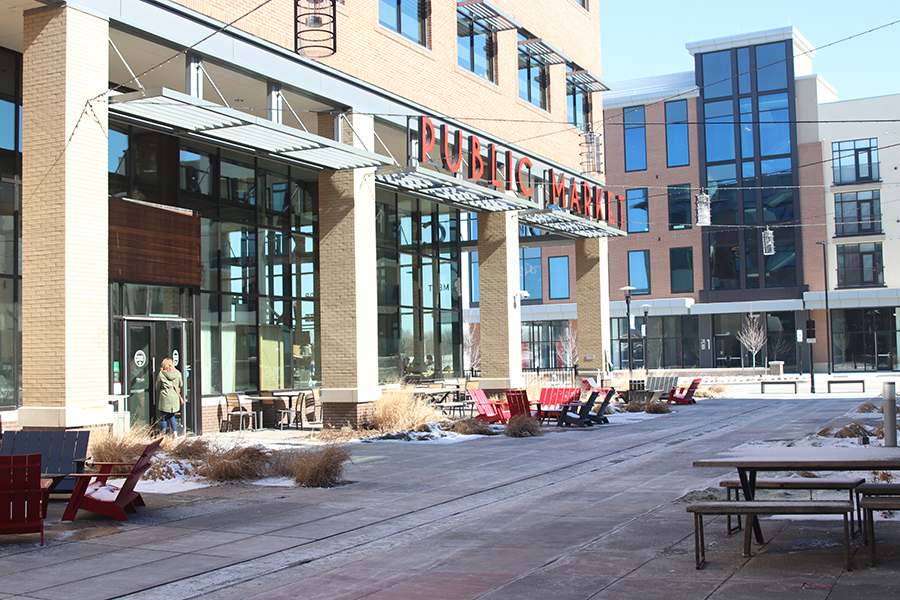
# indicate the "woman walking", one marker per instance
pixel 168 382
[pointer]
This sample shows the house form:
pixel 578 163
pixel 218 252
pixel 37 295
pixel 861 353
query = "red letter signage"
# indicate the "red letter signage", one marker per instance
pixel 426 138
pixel 476 162
pixel 524 161
pixel 557 190
pixel 446 155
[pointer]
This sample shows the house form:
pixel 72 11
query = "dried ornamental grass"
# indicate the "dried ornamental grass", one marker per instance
pixel 658 408
pixel 851 430
pixel 402 411
pixel 709 391
pixel 470 427
pixel 239 463
pixel 319 467
pixel 867 407
pixel 634 406
pixel 522 426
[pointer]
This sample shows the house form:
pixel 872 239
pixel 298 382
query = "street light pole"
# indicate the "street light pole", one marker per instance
pixel 646 308
pixel 628 289
pixel 824 245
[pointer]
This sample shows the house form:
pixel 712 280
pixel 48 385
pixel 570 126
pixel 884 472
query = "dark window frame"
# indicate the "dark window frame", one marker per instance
pixel 475 30
pixel 635 135
pixel 676 130
pixel 550 286
pixel 690 259
pixel 638 291
pixel 396 23
pixel 857 274
pixel 857 216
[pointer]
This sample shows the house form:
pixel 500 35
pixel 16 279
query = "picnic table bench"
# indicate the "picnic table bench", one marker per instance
pixel 763 383
pixel 861 382
pixel 753 508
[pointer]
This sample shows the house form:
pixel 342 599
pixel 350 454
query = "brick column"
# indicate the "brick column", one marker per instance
pixel 347 281
pixel 592 292
pixel 65 274
pixel 498 282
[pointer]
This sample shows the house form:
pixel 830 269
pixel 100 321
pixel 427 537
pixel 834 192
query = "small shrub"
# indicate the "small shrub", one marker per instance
pixel 319 467
pixel 470 427
pixel 239 463
pixel 402 411
pixel 634 406
pixel 867 407
pixel 882 476
pixel 522 426
pixel 826 431
pixel 658 408
pixel 194 448
pixel 851 430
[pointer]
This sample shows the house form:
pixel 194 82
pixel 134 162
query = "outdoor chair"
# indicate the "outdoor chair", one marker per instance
pixel 23 494
pixel 552 405
pixel 102 497
pixel 234 409
pixel 682 395
pixel 62 452
pixel 487 412
pixel 518 404
pixel 585 413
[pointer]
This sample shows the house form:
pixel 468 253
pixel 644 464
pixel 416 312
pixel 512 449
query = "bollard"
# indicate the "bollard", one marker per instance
pixel 890 414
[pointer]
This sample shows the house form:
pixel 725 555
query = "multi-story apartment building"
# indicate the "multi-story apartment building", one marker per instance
pixel 277 194
pixel 754 129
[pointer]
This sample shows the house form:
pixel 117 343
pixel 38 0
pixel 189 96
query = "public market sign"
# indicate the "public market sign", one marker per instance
pixel 505 170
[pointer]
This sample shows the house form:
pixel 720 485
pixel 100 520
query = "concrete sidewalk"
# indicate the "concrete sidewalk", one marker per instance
pixel 592 513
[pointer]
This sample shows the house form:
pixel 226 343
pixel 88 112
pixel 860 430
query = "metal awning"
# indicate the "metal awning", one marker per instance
pixel 488 15
pixel 471 197
pixel 543 52
pixel 216 124
pixel 559 220
pixel 450 190
pixel 586 81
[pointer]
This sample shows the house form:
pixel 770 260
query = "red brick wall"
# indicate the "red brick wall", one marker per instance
pixel 656 179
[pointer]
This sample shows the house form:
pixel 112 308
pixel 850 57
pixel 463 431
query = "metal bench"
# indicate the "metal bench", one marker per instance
pixel 765 382
pixel 861 382
pixel 850 484
pixel 755 508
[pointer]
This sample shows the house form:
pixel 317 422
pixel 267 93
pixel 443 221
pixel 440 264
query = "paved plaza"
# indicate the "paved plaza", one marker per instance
pixel 573 514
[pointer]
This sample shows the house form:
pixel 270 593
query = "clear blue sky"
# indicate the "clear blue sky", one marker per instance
pixel 640 38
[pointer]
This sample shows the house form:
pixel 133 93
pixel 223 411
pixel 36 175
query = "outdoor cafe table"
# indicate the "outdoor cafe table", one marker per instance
pixel 754 458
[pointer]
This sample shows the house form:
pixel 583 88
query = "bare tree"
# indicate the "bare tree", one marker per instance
pixel 567 346
pixel 752 335
pixel 471 347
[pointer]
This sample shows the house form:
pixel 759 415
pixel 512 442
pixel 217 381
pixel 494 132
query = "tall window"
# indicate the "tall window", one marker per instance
pixel 406 17
pixel 474 46
pixel 680 206
pixel 635 139
pixel 681 269
pixel 530 272
pixel 857 213
pixel 855 160
pixel 639 271
pixel 558 270
pixel 677 152
pixel 578 104
pixel 532 78
pixel 860 265
pixel 638 213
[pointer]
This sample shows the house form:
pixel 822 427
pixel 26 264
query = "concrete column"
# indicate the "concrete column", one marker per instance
pixel 347 281
pixel 65 204
pixel 592 289
pixel 500 314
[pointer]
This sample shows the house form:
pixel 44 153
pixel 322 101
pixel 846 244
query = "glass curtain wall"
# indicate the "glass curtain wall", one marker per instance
pixel 418 258
pixel 747 98
pixel 673 342
pixel 10 232
pixel 258 296
pixel 865 339
pixel 548 345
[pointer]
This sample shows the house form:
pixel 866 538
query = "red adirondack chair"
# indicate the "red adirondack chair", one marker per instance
pixel 680 395
pixel 487 412
pixel 23 494
pixel 552 401
pixel 104 498
pixel 518 403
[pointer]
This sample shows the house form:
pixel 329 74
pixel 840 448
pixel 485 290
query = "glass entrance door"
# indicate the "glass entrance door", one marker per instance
pixel 147 344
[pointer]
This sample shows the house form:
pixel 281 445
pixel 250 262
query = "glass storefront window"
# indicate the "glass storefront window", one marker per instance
pixel 210 350
pixel 238 258
pixel 273 260
pixel 9 343
pixel 306 349
pixel 240 344
pixel 118 161
pixel 237 187
pixel 275 208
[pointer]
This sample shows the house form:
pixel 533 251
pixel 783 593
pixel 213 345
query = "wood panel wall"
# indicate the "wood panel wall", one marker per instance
pixel 153 245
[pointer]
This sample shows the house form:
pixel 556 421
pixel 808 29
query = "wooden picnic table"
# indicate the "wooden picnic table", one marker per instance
pixel 749 460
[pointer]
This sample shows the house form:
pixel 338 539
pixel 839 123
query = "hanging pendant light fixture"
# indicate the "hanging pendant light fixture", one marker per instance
pixel 315 28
